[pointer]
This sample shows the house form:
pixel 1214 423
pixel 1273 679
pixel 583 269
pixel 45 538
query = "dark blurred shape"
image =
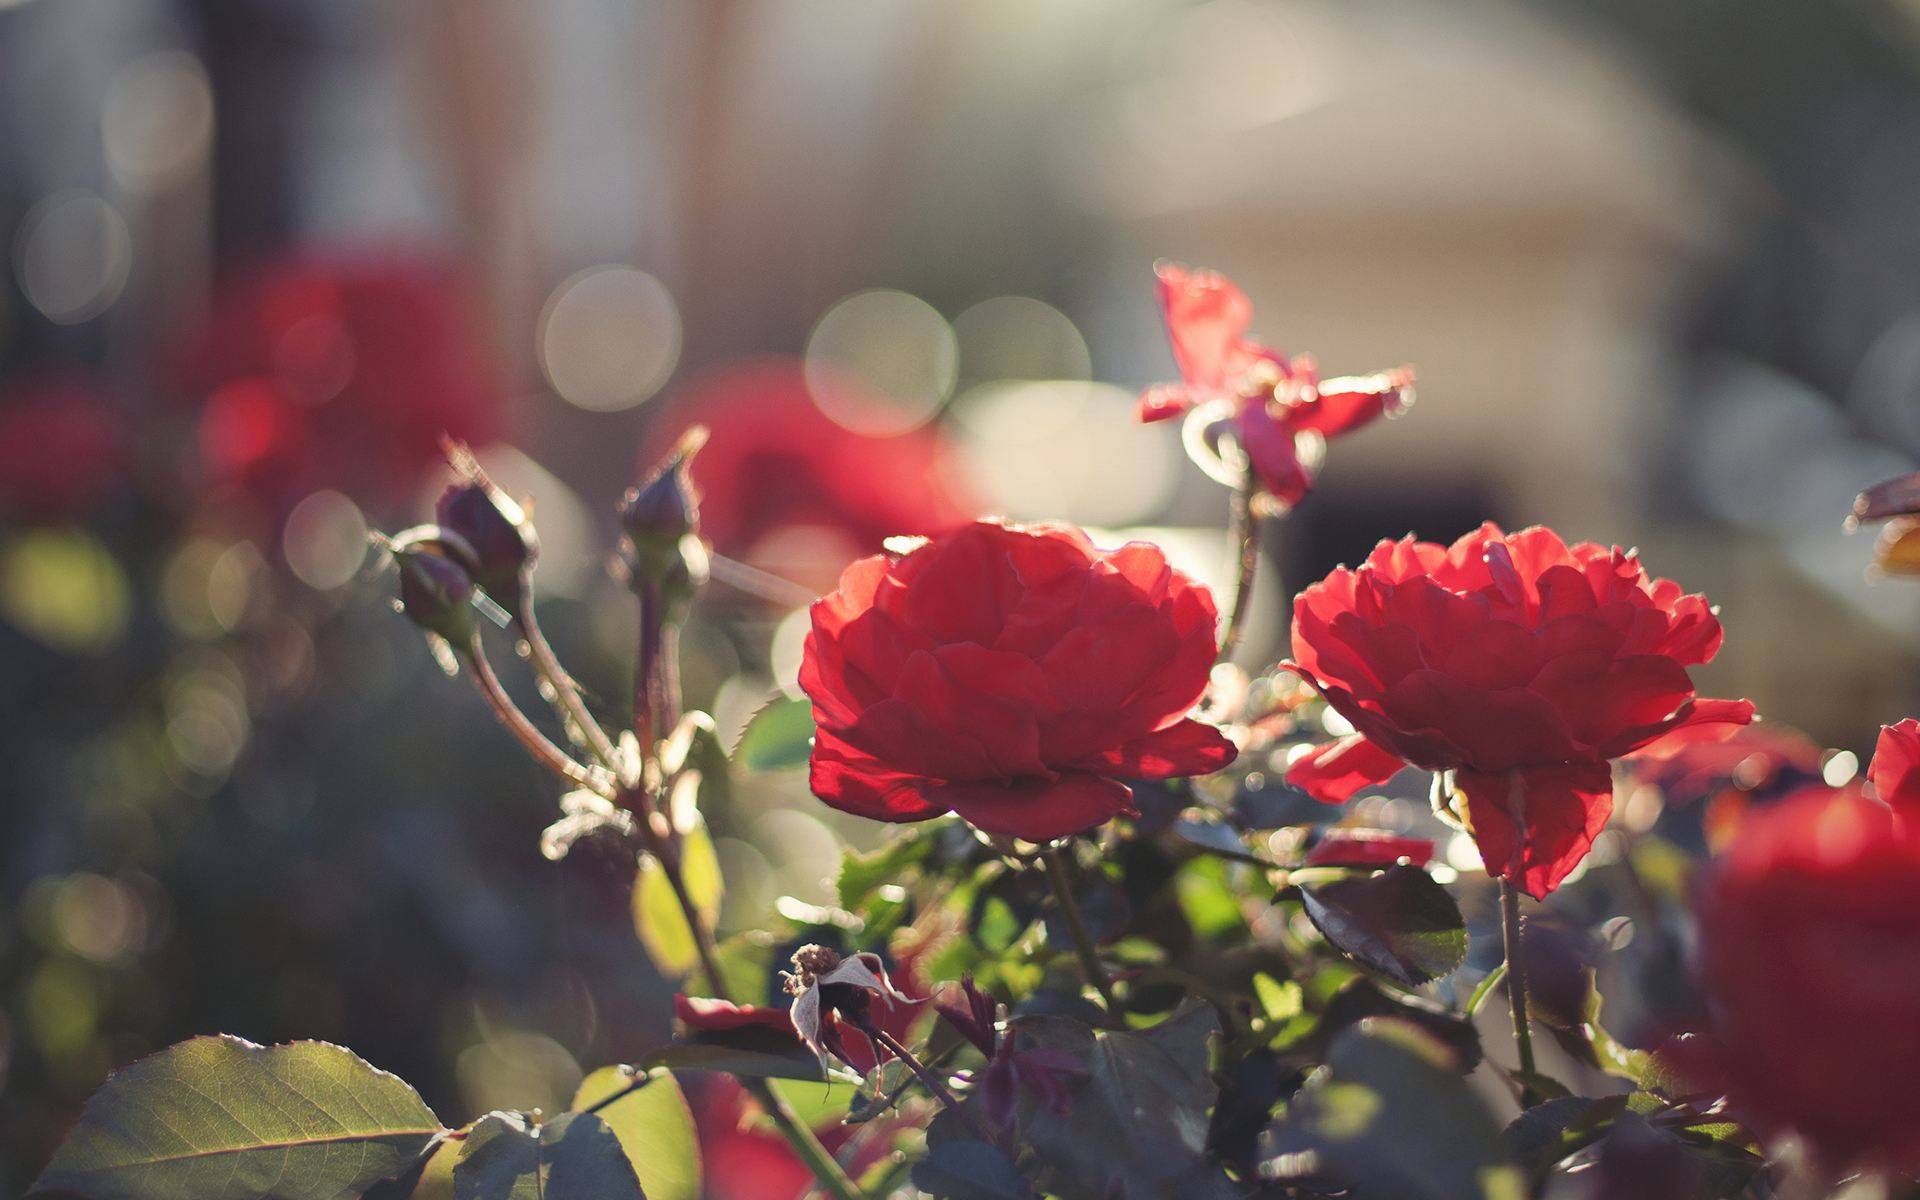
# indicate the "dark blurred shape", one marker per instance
pixel 789 491
pixel 1896 497
pixel 61 446
pixel 340 371
pixel 1645 1163
pixel 1763 760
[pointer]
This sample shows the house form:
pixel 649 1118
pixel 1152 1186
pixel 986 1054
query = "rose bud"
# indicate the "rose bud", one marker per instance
pixel 1519 663
pixel 1810 961
pixel 488 520
pixel 660 514
pixel 436 593
pixel 1277 408
pixel 1013 674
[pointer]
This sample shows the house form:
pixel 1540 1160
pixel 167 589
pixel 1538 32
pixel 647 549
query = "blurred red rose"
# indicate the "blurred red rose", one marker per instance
pixel 341 372
pixel 1810 959
pixel 62 448
pixel 1281 412
pixel 1764 760
pixel 788 490
pixel 1516 661
pixel 1368 848
pixel 1010 673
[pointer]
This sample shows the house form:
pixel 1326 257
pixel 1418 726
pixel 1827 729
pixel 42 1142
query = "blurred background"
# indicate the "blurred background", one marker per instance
pixel 1658 265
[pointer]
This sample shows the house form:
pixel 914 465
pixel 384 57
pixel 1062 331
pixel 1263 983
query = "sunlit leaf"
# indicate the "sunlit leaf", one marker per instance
pixel 217 1117
pixel 779 736
pixel 1399 922
pixel 654 1127
pixel 572 1157
pixel 657 916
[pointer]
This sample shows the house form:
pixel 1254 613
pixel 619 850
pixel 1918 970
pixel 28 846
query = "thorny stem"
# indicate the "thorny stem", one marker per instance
pixel 543 751
pixel 926 1077
pixel 1516 981
pixel 1244 534
pixel 566 692
pixel 1082 941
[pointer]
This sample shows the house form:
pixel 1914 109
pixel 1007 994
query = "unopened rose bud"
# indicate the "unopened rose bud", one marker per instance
pixel 436 593
pixel 661 516
pixel 1896 497
pixel 488 520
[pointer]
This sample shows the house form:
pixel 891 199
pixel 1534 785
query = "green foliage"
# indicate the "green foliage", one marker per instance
pixel 1398 922
pixel 780 736
pixel 217 1118
pixel 1390 1118
pixel 654 1126
pixel 658 918
pixel 1135 1126
pixel 573 1157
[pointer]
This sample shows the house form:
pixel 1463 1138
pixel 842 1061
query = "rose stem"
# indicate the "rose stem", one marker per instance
pixel 566 692
pixel 1516 982
pixel 543 751
pixel 1082 941
pixel 927 1078
pixel 1244 533
pixel 656 694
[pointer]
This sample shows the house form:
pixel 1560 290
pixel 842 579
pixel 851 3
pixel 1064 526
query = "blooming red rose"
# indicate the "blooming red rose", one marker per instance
pixel 788 490
pixel 1514 660
pixel 1279 409
pixel 1810 961
pixel 1013 674
pixel 337 371
pixel 61 446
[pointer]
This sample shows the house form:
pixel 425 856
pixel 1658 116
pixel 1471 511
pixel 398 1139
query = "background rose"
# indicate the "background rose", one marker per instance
pixel 787 489
pixel 1519 662
pixel 1009 673
pixel 338 370
pixel 1810 957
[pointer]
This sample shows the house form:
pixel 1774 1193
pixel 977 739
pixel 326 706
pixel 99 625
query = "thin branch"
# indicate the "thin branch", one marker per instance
pixel 1083 943
pixel 536 743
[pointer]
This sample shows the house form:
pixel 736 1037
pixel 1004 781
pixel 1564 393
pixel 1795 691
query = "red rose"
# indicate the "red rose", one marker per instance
pixel 1012 674
pixel 1765 760
pixel 1810 960
pixel 1369 848
pixel 788 490
pixel 341 372
pixel 1280 410
pixel 1516 661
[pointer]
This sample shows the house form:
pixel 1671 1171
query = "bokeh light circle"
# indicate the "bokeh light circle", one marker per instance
pixel 609 338
pixel 897 346
pixel 325 540
pixel 156 122
pixel 1018 337
pixel 1063 449
pixel 71 256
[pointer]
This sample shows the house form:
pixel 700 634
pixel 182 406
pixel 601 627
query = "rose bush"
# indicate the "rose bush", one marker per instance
pixel 1515 661
pixel 1013 674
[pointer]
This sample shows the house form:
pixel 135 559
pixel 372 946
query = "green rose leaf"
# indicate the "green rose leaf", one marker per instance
pixel 657 916
pixel 779 736
pixel 1135 1125
pixel 1398 922
pixel 1390 1115
pixel 218 1117
pixel 654 1126
pixel 573 1157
